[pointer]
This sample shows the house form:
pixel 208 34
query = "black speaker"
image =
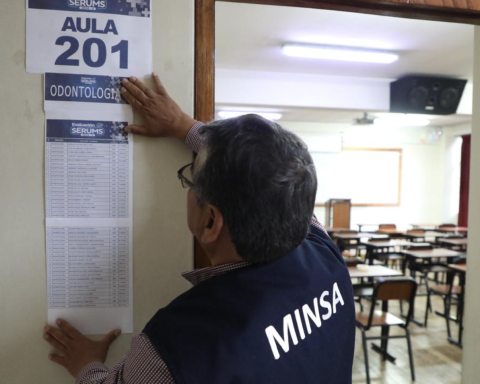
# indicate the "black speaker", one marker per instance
pixel 425 94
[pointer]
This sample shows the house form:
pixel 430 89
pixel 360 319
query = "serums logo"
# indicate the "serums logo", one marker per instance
pixel 88 5
pixel 87 130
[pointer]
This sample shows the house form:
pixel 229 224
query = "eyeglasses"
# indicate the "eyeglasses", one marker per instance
pixel 185 182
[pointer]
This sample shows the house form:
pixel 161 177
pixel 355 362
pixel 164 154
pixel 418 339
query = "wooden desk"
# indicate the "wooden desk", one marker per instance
pixel 432 253
pixel 391 232
pixel 423 236
pixel 366 225
pixel 458 230
pixel 383 247
pixel 358 236
pixel 331 230
pixel 373 271
pixel 426 255
pixel 461 269
pixel 424 226
pixel 343 239
pixel 450 243
pixel 391 243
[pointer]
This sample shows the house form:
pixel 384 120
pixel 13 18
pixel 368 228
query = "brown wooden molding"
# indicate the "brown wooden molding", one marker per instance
pixel 204 82
pixel 204 60
pixel 455 11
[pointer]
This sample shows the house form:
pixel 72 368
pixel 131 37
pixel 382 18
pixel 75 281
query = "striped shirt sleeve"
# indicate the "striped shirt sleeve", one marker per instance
pixel 194 140
pixel 141 365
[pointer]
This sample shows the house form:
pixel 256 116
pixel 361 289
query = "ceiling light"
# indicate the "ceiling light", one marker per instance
pixel 331 52
pixel 402 121
pixel 266 115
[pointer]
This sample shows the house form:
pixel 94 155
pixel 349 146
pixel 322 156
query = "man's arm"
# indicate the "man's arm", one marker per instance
pixel 84 358
pixel 142 364
pixel 163 117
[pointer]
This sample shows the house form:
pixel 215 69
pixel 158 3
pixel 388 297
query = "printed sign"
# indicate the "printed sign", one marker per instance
pixel 83 88
pixel 103 37
pixel 102 132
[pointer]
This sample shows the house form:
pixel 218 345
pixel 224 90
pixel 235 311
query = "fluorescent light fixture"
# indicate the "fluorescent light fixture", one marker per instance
pixel 266 115
pixel 331 52
pixel 402 121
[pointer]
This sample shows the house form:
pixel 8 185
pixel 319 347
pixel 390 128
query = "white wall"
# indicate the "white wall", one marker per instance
pixel 471 350
pixel 162 242
pixel 424 175
pixel 278 89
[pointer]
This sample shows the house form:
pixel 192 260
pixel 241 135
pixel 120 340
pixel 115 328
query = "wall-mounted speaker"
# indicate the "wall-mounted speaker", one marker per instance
pixel 425 94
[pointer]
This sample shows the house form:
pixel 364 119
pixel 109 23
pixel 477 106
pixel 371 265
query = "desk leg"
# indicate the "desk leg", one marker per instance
pixel 461 304
pixel 369 256
pixel 412 274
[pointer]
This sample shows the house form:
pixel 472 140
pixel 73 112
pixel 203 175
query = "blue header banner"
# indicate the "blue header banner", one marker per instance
pixel 83 88
pixel 139 8
pixel 108 132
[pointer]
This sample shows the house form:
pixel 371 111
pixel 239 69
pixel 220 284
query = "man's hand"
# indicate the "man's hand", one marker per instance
pixel 76 350
pixel 162 116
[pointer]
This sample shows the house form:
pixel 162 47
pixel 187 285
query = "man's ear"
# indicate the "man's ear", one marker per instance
pixel 213 224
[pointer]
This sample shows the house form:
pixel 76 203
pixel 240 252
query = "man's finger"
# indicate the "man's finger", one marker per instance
pixel 57 335
pixel 69 329
pixel 111 336
pixel 137 105
pixel 137 130
pixel 58 359
pixel 147 91
pixel 158 84
pixel 55 344
pixel 135 91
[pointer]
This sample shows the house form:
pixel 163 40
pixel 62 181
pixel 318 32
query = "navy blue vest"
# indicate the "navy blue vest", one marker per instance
pixel 289 321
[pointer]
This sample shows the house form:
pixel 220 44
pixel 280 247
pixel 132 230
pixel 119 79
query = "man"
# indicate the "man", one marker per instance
pixel 276 306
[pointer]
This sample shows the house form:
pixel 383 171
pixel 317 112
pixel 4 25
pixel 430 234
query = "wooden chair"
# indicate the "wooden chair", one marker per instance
pixel 448 292
pixel 387 255
pixel 417 232
pixel 459 248
pixel 385 290
pixel 347 245
pixel 392 235
pixel 447 225
pixel 424 268
pixel 387 226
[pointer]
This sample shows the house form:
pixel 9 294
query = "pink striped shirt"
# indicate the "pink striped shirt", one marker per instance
pixel 142 364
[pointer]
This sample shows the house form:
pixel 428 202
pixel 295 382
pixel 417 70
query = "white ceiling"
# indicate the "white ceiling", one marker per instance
pixel 249 37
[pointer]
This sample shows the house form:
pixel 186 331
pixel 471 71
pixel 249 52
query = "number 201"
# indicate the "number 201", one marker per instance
pixel 64 58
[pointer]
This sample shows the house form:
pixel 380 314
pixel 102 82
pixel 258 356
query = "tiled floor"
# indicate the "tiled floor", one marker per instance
pixel 435 359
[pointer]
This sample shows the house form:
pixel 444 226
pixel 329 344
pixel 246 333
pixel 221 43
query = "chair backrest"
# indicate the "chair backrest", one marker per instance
pixel 462 260
pixel 397 236
pixel 397 289
pixel 387 226
pixel 384 290
pixel 379 239
pixel 422 247
pixel 448 225
pixel 352 262
pixel 416 232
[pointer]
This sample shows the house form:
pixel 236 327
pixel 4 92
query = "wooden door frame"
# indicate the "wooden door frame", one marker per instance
pixel 456 11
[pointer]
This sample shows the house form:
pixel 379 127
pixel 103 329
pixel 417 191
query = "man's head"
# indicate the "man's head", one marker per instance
pixel 259 179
